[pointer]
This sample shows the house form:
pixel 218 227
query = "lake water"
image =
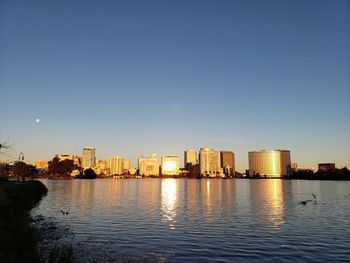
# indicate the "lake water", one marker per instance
pixel 189 220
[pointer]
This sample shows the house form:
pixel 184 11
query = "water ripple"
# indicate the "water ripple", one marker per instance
pixel 202 220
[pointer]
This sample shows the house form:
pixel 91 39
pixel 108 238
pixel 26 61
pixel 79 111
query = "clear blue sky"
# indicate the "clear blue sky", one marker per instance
pixel 142 77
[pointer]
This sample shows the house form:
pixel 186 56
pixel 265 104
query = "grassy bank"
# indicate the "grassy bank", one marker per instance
pixel 17 238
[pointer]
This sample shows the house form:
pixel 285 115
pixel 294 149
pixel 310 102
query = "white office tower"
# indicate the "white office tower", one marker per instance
pixel 89 158
pixel 115 165
pixel 208 162
pixel 148 165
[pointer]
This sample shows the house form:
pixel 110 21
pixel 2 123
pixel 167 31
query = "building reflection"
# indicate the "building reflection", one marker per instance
pixel 191 198
pixel 169 199
pixel 276 203
pixel 228 200
pixel 84 191
pixel 147 194
pixel 210 195
pixel 267 201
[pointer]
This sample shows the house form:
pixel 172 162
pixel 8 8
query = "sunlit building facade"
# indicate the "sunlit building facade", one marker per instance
pixel 325 167
pixel 148 166
pixel 227 162
pixel 126 165
pixel 89 158
pixel 272 164
pixel 67 156
pixel 64 156
pixel 132 171
pixel 101 167
pixel 190 158
pixel 208 162
pixel 42 164
pixel 170 165
pixel 101 164
pixel 115 165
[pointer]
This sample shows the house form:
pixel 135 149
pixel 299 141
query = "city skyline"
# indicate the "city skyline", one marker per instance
pixel 135 162
pixel 161 77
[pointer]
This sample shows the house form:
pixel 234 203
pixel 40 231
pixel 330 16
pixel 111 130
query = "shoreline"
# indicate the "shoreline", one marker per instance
pixel 18 238
pixel 192 178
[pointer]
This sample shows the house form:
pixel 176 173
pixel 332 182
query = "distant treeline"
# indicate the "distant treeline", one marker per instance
pixel 19 170
pixel 334 174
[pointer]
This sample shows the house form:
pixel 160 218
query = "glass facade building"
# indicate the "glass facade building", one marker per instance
pixel 272 164
pixel 170 165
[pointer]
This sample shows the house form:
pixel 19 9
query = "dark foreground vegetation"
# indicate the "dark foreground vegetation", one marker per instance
pixel 18 240
pixel 88 174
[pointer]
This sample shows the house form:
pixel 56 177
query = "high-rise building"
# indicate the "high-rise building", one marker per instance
pixel 190 158
pixel 208 162
pixel 227 162
pixel 126 165
pixel 170 165
pixel 101 167
pixel 89 158
pixel 148 165
pixel 115 165
pixel 273 164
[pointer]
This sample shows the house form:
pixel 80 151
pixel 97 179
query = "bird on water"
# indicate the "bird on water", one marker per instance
pixel 304 202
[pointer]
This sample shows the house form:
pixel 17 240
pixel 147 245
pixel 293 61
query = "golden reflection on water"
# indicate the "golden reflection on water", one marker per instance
pixel 267 202
pixel 274 201
pixel 207 199
pixel 228 199
pixel 203 197
pixel 85 193
pixel 169 200
pixel 210 198
pixel 147 193
pixel 191 194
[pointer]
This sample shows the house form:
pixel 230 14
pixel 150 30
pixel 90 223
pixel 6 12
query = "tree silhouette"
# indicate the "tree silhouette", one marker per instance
pixel 57 167
pixel 4 147
pixel 21 169
pixel 89 174
pixel 4 170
